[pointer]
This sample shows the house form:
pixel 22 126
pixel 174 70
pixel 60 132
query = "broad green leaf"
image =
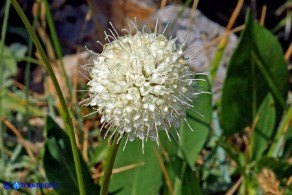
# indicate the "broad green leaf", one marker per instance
pixel 171 176
pixel 171 146
pixel 145 178
pixel 256 68
pixel 264 127
pixel 192 142
pixel 59 162
pixel 189 183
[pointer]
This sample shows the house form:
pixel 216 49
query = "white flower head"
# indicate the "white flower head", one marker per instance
pixel 141 84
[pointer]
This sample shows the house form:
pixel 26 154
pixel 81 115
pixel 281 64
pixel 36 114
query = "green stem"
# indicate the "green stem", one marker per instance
pixel 3 35
pixel 57 45
pixel 181 11
pixel 111 156
pixel 67 118
pixel 218 56
pixel 284 125
pixel 27 73
pixel 59 54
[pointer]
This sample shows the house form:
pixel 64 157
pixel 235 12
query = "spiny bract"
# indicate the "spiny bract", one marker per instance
pixel 141 84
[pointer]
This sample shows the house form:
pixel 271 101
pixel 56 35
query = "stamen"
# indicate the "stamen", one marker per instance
pixel 114 29
pixel 167 134
pixel 196 79
pixel 202 92
pixel 177 134
pixel 192 60
pixel 102 126
pixel 143 145
pixel 188 124
pixel 109 124
pixel 147 134
pixel 155 29
pixel 197 112
pixel 175 140
pixel 85 65
pixel 130 28
pixel 126 31
pixel 99 43
pixel 156 130
pixel 165 28
pixel 115 38
pixel 192 48
pixel 106 133
pixel 185 41
pixel 202 73
pixel 92 52
pixel 135 25
pixel 80 90
pixel 126 142
pixel 157 141
pixel 107 37
pixel 121 136
pixel 185 97
pixel 185 76
pixel 113 134
pixel 90 114
pixel 175 111
pixel 143 29
pixel 182 101
pixel 84 76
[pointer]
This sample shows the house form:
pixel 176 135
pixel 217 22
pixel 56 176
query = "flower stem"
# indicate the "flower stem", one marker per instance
pixel 111 156
pixel 66 116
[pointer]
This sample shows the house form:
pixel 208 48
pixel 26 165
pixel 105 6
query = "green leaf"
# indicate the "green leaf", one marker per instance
pixel 192 142
pixel 98 153
pixel 145 178
pixel 253 71
pixel 18 49
pixel 59 162
pixel 287 153
pixel 10 66
pixel 17 102
pixel 184 172
pixel 171 176
pixel 264 128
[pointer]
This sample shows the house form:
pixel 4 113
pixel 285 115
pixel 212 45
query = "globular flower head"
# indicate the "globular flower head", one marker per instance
pixel 141 84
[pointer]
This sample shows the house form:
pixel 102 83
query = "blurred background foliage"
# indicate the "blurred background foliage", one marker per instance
pixel 242 145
